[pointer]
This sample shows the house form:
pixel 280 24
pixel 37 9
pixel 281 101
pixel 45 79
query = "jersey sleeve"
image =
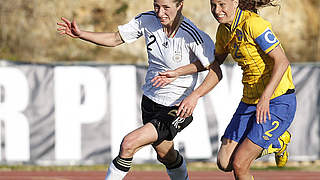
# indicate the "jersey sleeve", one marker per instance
pixel 260 30
pixel 131 31
pixel 205 51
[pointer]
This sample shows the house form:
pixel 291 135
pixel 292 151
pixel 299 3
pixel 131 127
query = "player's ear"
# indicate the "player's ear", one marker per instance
pixel 236 3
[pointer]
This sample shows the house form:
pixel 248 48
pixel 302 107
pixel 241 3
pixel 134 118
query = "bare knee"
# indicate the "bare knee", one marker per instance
pixel 239 167
pixel 127 148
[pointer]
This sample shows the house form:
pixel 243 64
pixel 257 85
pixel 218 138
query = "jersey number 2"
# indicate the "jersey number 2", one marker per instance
pixel 152 40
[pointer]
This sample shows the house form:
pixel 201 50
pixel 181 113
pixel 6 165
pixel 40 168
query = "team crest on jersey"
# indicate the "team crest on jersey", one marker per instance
pixel 177 57
pixel 239 35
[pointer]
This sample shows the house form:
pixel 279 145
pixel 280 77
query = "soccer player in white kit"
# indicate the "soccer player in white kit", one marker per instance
pixel 172 41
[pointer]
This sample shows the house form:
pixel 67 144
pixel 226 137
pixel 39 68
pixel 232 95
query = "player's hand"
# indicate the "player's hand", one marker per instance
pixel 69 28
pixel 187 106
pixel 164 78
pixel 263 111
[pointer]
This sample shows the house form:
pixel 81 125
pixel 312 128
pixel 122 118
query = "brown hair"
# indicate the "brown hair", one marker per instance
pixel 254 5
pixel 177 1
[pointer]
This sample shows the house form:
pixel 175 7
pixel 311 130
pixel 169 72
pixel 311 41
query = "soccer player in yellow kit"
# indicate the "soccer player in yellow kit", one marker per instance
pixel 259 125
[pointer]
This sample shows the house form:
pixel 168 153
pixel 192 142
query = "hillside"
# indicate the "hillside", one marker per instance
pixel 28 28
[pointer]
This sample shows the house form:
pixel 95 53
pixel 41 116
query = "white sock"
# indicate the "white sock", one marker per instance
pixel 180 173
pixel 115 173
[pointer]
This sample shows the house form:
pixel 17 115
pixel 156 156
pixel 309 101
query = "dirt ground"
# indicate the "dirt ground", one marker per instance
pixel 154 175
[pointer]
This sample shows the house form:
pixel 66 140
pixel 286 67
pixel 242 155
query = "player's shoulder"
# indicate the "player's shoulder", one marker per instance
pixel 149 15
pixel 187 23
pixel 254 20
pixel 193 31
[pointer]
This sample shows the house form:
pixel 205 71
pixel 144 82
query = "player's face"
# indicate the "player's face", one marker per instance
pixel 166 11
pixel 224 10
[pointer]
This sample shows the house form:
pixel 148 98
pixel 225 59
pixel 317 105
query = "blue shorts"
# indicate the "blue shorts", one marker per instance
pixel 243 124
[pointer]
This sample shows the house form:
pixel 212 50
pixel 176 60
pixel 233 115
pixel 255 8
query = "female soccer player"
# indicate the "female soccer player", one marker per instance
pixel 259 125
pixel 172 41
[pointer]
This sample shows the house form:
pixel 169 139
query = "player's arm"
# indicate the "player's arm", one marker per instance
pixel 197 66
pixel 261 31
pixel 213 77
pixel 71 29
pixel 102 38
pixel 165 78
pixel 220 58
pixel 191 68
pixel 280 66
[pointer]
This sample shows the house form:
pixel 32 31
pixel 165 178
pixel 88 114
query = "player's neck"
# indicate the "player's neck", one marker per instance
pixel 171 30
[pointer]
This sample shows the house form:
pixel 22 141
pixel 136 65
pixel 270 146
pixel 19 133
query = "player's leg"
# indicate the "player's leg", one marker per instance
pixel 244 156
pixel 225 154
pixel 131 143
pixel 174 162
pixel 168 124
pixel 251 148
pixel 281 153
pixel 282 111
pixel 234 134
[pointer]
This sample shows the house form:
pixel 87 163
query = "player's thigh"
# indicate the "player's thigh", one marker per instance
pixel 282 111
pixel 245 154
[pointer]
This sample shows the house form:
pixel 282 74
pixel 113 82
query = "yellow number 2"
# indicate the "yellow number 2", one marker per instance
pixel 276 125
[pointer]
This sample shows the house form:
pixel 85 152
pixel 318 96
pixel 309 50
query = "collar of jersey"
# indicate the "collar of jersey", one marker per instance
pixel 237 19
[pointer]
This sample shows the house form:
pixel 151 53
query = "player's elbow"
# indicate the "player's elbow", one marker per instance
pixel 216 68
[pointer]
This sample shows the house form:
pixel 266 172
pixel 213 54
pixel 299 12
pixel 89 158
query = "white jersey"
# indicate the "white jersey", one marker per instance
pixel 168 53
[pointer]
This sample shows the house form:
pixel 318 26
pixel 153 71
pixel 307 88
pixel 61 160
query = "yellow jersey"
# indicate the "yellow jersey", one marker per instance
pixel 249 40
